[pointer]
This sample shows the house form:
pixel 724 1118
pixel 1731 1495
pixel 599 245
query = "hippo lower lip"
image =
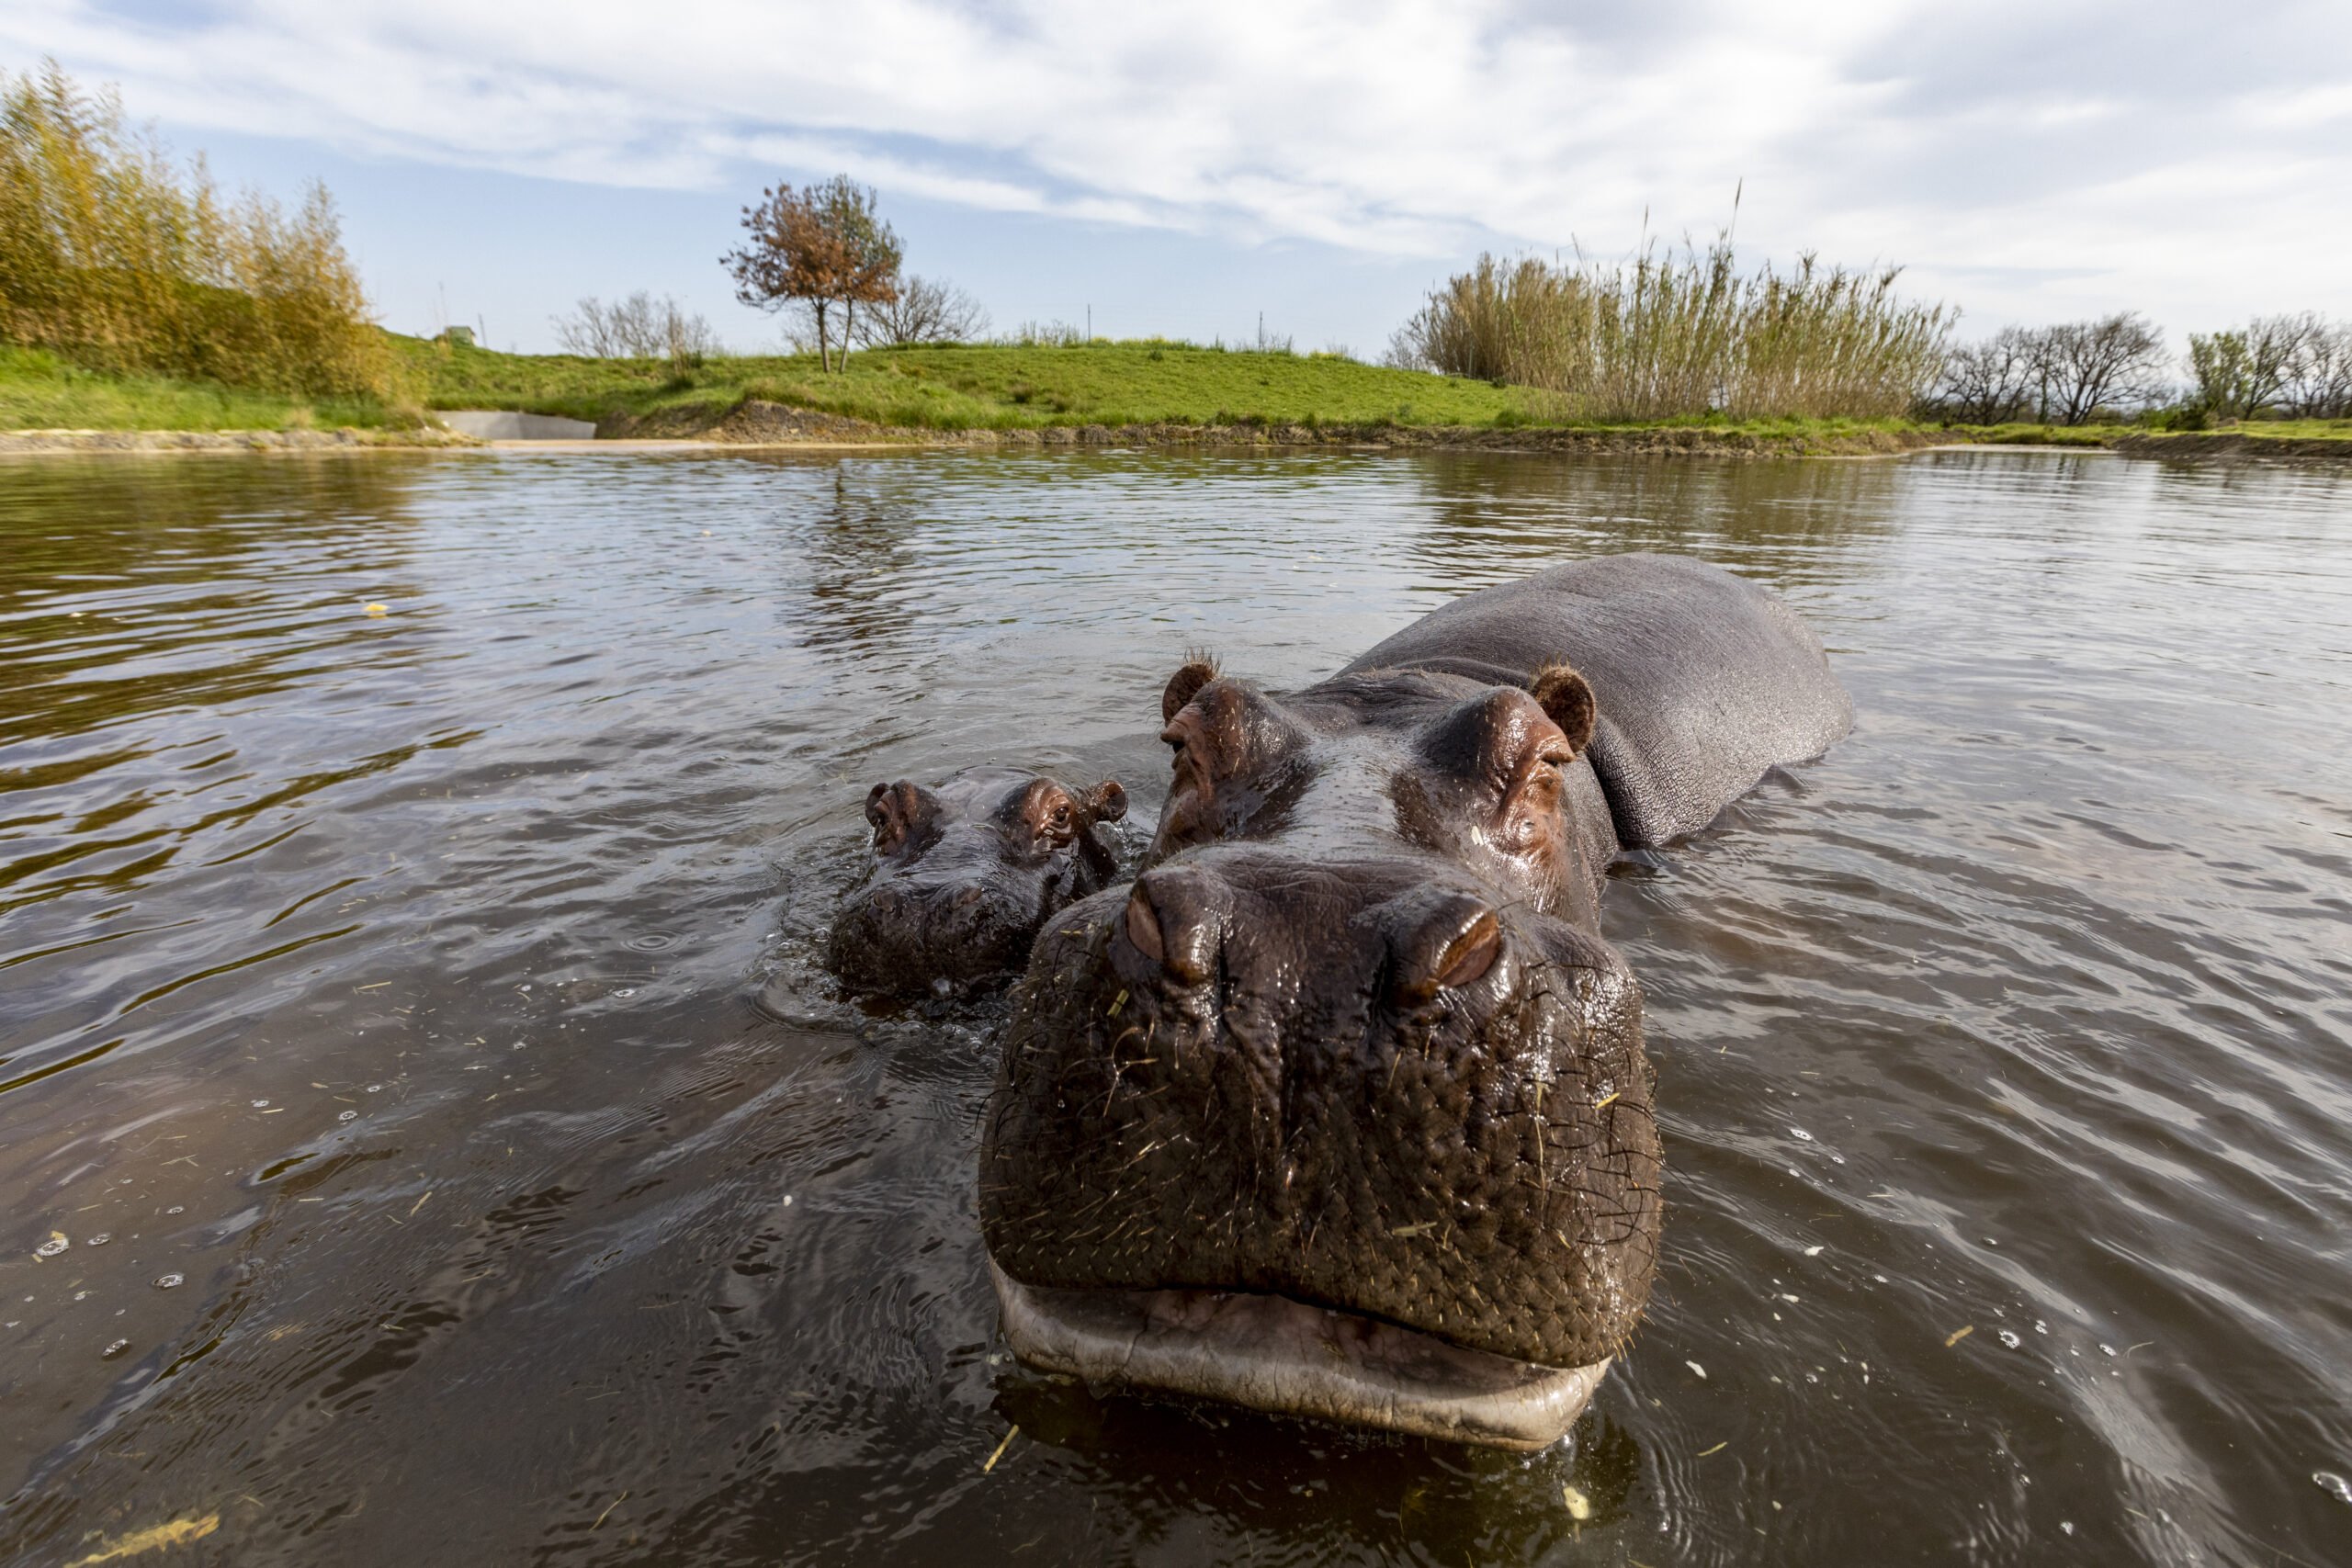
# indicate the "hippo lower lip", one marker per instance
pixel 1276 1354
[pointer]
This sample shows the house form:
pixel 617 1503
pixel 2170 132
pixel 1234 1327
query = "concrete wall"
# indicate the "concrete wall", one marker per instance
pixel 488 425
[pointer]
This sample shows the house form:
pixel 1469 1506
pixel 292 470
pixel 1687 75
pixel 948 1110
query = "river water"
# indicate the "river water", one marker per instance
pixel 378 1020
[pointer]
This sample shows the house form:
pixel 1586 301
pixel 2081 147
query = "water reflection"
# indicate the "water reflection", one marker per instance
pixel 386 979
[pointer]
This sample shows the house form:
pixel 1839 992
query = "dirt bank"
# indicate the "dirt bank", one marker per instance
pixel 2230 446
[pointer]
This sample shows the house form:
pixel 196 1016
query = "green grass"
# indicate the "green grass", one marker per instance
pixel 987 387
pixel 38 391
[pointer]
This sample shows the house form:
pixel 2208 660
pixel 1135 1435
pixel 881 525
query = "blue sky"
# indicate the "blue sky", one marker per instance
pixel 1181 169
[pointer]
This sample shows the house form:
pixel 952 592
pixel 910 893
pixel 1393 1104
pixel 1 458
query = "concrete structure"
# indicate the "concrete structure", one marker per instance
pixel 495 424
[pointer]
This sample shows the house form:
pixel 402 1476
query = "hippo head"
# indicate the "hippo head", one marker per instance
pixel 1341 1109
pixel 964 873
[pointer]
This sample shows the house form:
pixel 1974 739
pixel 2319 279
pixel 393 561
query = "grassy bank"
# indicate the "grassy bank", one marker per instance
pixel 40 391
pixel 1000 388
pixel 990 388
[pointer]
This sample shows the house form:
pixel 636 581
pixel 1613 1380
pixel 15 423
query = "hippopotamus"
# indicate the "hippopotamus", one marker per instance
pixel 964 872
pixel 1341 1109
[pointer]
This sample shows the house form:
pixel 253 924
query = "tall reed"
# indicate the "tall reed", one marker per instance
pixel 115 259
pixel 1685 331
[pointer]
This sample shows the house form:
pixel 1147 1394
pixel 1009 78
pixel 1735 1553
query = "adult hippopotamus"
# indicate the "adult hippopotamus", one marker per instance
pixel 1342 1109
pixel 964 872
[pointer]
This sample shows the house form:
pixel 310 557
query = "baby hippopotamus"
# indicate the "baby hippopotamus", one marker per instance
pixel 965 873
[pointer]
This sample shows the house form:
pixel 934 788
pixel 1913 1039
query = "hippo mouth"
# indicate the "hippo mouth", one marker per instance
pixel 1276 1354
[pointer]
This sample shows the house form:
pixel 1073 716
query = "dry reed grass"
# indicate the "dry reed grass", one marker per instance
pixel 1685 331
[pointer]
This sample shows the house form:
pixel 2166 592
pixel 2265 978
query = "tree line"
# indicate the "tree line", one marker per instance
pixel 2294 367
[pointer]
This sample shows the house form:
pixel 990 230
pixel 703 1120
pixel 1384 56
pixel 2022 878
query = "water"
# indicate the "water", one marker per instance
pixel 380 987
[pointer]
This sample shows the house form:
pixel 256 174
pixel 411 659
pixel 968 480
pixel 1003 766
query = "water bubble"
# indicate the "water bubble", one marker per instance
pixel 625 991
pixel 177 1209
pixel 348 1116
pixel 1800 1135
pixel 81 1295
pixel 51 1247
pixel 2008 1337
pixel 2106 1349
pixel 2066 1525
pixel 1698 1369
pixel 117 1349
pixel 100 1239
pixel 374 1088
pixel 1812 1252
pixel 170 1281
pixel 2039 1326
pixel 2333 1484
pixel 261 1105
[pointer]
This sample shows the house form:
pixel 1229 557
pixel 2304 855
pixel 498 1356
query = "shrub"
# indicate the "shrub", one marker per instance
pixel 638 327
pixel 926 310
pixel 121 262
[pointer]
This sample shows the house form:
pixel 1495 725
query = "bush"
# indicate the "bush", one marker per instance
pixel 1682 333
pixel 121 262
pixel 638 327
pixel 926 310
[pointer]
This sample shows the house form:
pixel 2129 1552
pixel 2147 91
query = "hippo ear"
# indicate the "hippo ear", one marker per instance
pixel 1107 802
pixel 1184 685
pixel 895 810
pixel 1567 700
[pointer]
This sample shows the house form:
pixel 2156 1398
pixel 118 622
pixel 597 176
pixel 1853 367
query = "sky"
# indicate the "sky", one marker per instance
pixel 1194 170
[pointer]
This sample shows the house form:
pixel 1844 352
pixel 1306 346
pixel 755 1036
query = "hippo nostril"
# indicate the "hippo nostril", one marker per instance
pixel 1455 947
pixel 1472 953
pixel 1143 927
pixel 1172 920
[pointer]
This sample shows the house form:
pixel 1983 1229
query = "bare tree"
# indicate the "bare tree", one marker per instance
pixel 818 248
pixel 926 310
pixel 2319 382
pixel 1991 383
pixel 2089 366
pixel 638 327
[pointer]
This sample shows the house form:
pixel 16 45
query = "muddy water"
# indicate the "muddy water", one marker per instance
pixel 376 1031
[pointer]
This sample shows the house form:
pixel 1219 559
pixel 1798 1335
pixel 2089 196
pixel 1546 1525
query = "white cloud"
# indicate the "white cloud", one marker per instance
pixel 2031 161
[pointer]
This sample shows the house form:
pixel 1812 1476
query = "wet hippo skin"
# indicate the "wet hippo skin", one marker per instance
pixel 1352 1047
pixel 963 874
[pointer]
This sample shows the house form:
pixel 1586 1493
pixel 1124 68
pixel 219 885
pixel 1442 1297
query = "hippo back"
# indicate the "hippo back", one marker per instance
pixel 1703 680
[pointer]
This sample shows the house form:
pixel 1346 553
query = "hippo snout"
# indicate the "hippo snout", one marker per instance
pixel 1359 1086
pixel 901 935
